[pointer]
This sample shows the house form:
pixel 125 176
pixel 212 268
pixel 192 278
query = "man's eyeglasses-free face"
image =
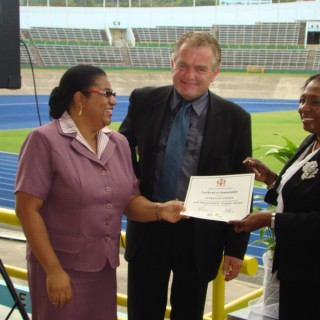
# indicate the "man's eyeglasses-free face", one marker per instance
pixel 107 92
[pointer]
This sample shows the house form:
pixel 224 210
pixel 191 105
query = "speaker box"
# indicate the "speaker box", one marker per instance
pixel 10 73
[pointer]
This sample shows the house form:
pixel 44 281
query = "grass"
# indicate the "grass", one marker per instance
pixel 267 129
pixel 264 127
pixel 11 140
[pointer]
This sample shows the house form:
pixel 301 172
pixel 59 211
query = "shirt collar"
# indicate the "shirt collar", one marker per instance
pixel 68 126
pixel 198 104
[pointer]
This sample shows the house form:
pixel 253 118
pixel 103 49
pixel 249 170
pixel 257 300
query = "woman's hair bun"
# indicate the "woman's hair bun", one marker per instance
pixel 56 103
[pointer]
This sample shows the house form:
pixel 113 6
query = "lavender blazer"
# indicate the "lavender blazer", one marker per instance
pixel 84 197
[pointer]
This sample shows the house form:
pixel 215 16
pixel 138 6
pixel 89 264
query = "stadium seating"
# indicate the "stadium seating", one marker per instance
pixel 316 64
pixel 63 55
pixel 71 34
pixel 259 47
pixel 150 57
pixel 260 34
pixel 164 35
pixel 272 59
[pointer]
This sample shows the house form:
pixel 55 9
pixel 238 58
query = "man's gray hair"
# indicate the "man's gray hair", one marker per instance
pixel 199 39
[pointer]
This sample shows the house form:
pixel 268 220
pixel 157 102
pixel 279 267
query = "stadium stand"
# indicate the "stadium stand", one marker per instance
pixel 163 34
pixel 260 34
pixel 64 55
pixel 316 64
pixel 60 34
pixel 255 48
pixel 24 56
pixel 266 58
pixel 150 57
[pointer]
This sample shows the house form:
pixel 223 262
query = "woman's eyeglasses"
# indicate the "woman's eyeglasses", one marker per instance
pixel 107 92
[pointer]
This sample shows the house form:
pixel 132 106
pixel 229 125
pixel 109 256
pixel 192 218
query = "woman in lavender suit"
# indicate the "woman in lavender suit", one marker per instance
pixel 74 181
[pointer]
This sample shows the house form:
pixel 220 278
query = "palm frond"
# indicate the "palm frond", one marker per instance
pixel 281 153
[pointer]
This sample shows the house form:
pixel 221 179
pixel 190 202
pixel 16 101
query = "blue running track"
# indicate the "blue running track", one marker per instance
pixel 17 112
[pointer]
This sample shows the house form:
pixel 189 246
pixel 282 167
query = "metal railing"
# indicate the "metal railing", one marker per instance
pixel 219 308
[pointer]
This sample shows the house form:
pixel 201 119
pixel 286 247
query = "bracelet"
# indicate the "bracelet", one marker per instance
pixel 273 220
pixel 271 185
pixel 157 208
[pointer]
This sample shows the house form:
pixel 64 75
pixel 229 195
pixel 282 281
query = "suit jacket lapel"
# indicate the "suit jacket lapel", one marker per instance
pixel 84 151
pixel 160 105
pixel 306 142
pixel 108 152
pixel 272 194
pixel 212 127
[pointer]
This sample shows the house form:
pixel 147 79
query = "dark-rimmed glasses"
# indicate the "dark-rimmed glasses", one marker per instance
pixel 107 92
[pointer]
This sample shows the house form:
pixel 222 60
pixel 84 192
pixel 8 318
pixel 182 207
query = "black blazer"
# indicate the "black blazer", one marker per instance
pixel 298 229
pixel 226 143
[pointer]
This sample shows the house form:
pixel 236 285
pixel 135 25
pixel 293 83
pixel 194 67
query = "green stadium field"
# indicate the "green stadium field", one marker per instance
pixel 267 127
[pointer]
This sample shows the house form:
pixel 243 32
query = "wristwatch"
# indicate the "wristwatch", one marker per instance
pixel 273 220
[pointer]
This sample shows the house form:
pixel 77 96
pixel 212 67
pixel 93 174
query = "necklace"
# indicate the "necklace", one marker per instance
pixel 314 146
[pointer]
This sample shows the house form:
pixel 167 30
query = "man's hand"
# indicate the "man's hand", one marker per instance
pixel 231 267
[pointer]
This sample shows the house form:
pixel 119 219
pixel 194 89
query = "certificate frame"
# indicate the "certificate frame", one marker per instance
pixel 220 198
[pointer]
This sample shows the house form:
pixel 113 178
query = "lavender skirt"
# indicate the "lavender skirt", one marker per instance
pixel 94 295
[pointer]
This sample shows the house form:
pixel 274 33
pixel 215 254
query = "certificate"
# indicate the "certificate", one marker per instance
pixel 220 198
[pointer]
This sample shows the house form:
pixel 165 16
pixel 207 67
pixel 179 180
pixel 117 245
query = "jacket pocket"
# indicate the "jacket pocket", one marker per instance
pixel 67 243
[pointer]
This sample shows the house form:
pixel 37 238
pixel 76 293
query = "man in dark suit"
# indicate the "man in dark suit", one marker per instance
pixel 218 140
